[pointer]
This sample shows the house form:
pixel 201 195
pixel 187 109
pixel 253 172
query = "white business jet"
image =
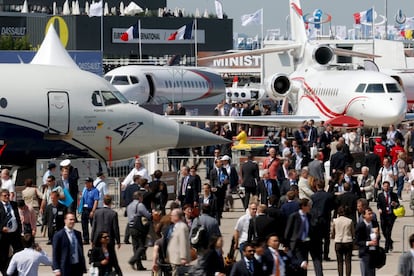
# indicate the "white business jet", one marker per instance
pixel 319 91
pixel 164 84
pixel 49 110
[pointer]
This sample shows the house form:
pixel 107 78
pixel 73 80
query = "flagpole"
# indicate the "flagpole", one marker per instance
pixel 139 43
pixel 102 15
pixel 262 57
pixel 195 41
pixel 386 19
pixel 373 33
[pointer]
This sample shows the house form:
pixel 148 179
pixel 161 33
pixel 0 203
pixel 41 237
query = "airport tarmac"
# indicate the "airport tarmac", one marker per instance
pixel 402 229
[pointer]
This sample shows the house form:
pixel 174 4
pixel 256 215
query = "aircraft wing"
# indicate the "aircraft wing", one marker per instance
pixel 405 71
pixel 349 53
pixel 282 48
pixel 271 120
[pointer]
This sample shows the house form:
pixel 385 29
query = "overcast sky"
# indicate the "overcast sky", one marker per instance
pixel 275 11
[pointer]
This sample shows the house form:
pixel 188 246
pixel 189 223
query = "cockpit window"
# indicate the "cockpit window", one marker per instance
pixel 393 88
pixel 361 88
pixel 133 79
pixel 106 98
pixel 120 96
pixel 109 98
pixel 108 78
pixel 375 88
pixel 96 99
pixel 120 80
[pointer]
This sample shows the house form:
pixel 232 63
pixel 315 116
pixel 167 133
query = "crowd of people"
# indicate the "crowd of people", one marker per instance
pixel 291 214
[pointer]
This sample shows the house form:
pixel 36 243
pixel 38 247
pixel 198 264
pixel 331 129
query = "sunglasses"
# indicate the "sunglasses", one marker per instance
pixel 105 237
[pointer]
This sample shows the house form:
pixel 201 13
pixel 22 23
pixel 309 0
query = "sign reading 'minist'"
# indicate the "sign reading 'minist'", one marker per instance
pixel 242 61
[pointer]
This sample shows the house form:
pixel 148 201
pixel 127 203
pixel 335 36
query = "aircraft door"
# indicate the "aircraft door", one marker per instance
pixel 58 112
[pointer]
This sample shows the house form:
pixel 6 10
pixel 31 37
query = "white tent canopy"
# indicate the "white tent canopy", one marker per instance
pixel 52 52
pixel 132 9
pixel 25 8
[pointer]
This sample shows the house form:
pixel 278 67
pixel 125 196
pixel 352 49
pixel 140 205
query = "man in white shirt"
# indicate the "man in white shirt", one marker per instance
pixel 137 170
pixel 8 184
pixel 100 184
pixel 27 262
pixel 241 230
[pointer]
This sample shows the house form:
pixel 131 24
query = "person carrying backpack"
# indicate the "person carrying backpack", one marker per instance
pixel 202 229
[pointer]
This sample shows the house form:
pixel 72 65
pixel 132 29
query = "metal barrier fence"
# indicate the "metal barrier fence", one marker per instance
pixel 407 231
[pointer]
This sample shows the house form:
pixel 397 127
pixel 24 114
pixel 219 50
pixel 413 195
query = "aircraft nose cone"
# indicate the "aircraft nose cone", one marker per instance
pixel 193 137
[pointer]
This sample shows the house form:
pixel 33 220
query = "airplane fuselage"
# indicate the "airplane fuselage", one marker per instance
pixel 46 111
pixel 163 84
pixel 375 98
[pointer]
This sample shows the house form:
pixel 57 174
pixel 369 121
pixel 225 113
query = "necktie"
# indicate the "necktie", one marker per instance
pixel 305 227
pixel 184 187
pixel 387 203
pixel 9 216
pixel 251 266
pixel 277 265
pixel 73 245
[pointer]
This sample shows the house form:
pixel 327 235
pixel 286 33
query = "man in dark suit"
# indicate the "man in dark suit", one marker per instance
pixel 365 232
pixel 260 226
pixel 373 162
pixel 325 140
pixel 68 256
pixel 351 179
pixel 219 179
pixel 322 206
pixel 297 236
pixel 312 133
pixel 338 160
pixel 277 262
pixel 267 187
pixel 207 197
pixel 106 220
pixel 250 177
pixel 301 135
pixel 187 192
pixel 348 199
pixel 248 265
pixel 283 170
pixel 387 201
pixel 10 229
pixel 287 183
pixel 54 215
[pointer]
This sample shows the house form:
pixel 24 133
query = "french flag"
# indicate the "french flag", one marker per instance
pixel 185 32
pixel 131 33
pixel 364 16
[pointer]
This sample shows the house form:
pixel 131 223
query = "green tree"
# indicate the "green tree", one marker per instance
pixel 8 42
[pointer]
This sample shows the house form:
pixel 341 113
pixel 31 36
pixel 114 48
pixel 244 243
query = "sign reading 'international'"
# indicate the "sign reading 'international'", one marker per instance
pixel 156 36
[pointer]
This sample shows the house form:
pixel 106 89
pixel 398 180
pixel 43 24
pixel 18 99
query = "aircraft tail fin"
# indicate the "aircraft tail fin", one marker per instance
pixel 297 25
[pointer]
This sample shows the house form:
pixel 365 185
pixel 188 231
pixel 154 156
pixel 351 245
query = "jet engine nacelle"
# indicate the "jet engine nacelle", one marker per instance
pixel 278 86
pixel 323 54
